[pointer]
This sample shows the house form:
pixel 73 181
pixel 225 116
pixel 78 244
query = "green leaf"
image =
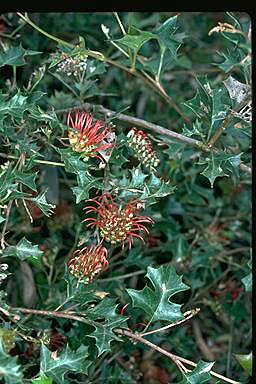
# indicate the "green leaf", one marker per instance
pixel 9 369
pixel 247 280
pixel 43 379
pixel 155 302
pixel 213 170
pixel 68 361
pixel 94 68
pixel 201 374
pixel 103 333
pixel 72 161
pixel 15 56
pixel 24 250
pixel 41 202
pixel 26 179
pixel 245 361
pixel 86 182
pixel 166 34
pixel 232 58
pixel 136 41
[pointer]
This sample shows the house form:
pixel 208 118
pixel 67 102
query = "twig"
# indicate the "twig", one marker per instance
pixel 99 56
pixel 227 120
pixel 174 358
pixel 8 210
pixel 153 127
pixel 52 313
pixel 200 341
pixel 35 161
pixel 188 315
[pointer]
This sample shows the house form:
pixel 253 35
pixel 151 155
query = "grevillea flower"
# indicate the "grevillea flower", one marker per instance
pixel 117 223
pixel 86 136
pixel 142 145
pixel 88 262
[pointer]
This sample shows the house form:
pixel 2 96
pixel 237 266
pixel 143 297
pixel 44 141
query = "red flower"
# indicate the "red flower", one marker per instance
pixel 117 223
pixel 86 136
pixel 88 262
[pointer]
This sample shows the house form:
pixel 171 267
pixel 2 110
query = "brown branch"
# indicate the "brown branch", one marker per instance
pixel 65 315
pixel 206 352
pixel 176 359
pixel 152 127
pixel 188 315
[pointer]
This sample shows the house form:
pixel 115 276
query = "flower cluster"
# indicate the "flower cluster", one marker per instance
pixel 86 136
pixel 115 222
pixel 3 268
pixel 88 262
pixel 72 65
pixel 142 145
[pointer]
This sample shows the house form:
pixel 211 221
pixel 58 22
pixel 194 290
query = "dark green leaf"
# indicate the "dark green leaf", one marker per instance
pixel 201 374
pixel 68 361
pixel 213 170
pixel 103 333
pixel 136 41
pixel 156 302
pixel 24 250
pixel 26 179
pixel 9 369
pixel 41 202
pixel 166 33
pixel 247 280
pixel 15 56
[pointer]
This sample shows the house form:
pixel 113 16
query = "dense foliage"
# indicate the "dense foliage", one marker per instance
pixel 125 198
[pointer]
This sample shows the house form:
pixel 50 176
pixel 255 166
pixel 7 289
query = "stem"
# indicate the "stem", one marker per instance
pixel 27 20
pixel 9 206
pixel 122 276
pixel 36 161
pixel 174 358
pixel 99 56
pixel 227 120
pixel 65 315
pixel 120 23
pixel 188 314
pixel 153 127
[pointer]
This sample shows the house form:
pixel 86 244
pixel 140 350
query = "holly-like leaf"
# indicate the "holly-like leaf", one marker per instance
pixel 246 362
pixel 103 333
pixel 214 169
pixel 24 250
pixel 72 161
pixel 41 202
pixel 136 41
pixel 15 56
pixel 166 34
pixel 43 379
pixel 85 182
pixel 199 375
pixel 26 179
pixel 247 280
pixel 155 302
pixel 56 366
pixel 9 369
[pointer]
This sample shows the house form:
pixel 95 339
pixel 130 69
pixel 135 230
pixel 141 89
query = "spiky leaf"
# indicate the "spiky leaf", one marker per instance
pixel 103 333
pixel 246 362
pixel 24 250
pixel 9 369
pixel 156 302
pixel 56 366
pixel 199 375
